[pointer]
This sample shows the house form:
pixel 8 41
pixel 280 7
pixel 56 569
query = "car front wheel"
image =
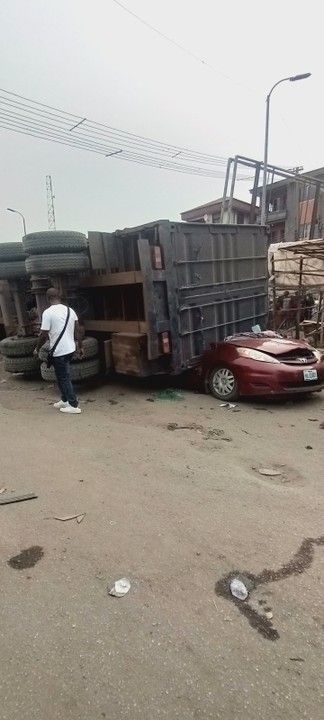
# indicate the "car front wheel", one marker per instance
pixel 223 385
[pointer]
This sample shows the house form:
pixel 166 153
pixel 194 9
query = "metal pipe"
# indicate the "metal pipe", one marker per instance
pixel 227 177
pixel 230 201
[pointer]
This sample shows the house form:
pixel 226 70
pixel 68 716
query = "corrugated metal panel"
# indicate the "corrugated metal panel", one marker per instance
pixel 221 279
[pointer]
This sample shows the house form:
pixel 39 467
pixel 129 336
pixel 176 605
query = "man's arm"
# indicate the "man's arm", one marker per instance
pixel 41 341
pixel 43 335
pixel 78 339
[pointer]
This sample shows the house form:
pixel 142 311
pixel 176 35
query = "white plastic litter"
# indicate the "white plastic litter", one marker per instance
pixel 228 406
pixel 121 588
pixel 270 472
pixel 238 589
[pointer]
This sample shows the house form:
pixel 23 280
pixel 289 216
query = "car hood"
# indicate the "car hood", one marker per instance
pixel 272 346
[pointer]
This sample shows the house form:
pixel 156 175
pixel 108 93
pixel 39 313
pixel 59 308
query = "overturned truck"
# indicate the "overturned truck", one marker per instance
pixel 159 295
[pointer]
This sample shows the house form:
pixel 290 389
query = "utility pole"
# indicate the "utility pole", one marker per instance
pixel 50 203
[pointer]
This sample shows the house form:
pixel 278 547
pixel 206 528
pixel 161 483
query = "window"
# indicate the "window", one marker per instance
pixel 240 218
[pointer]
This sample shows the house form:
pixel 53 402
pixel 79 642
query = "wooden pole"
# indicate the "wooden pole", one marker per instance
pixel 314 211
pixel 299 298
pixel 274 297
pixel 319 311
pixel 322 327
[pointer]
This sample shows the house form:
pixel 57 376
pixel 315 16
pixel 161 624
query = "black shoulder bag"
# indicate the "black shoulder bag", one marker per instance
pixel 52 350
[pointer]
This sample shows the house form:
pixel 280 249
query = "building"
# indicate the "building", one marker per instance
pixel 292 206
pixel 239 213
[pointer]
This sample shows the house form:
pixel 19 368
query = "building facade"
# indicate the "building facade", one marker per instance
pixel 239 214
pixel 292 207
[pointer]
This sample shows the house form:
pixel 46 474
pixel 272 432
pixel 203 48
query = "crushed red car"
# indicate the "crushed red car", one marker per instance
pixel 261 364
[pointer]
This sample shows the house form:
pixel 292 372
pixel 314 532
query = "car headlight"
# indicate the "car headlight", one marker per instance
pixel 317 354
pixel 256 355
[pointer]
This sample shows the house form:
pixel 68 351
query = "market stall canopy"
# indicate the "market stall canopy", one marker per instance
pixel 299 264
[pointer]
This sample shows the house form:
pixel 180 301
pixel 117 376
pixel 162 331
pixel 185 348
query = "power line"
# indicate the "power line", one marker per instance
pixel 180 47
pixel 29 117
pixel 114 137
pixel 65 116
pixel 24 129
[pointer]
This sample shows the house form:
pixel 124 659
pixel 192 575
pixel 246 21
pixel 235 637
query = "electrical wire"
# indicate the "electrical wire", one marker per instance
pixel 29 117
pixel 181 47
pixel 66 116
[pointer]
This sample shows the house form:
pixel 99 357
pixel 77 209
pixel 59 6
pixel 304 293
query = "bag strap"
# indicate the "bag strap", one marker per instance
pixel 52 350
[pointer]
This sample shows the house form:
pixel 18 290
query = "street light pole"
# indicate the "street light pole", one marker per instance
pixel 22 216
pixel 293 78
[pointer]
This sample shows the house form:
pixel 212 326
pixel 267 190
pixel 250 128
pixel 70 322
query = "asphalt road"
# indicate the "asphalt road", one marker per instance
pixel 179 512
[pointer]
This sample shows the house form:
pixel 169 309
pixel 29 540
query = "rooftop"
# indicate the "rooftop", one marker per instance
pixel 216 204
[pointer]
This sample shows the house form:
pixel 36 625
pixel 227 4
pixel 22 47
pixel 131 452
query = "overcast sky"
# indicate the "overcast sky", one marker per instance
pixel 95 60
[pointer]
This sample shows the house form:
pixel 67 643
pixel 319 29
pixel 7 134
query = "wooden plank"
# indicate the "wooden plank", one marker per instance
pixel 145 256
pixel 112 279
pixel 108 355
pixel 17 498
pixel 130 354
pixel 116 326
pixel 96 249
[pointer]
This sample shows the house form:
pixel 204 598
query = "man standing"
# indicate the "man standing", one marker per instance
pixel 60 325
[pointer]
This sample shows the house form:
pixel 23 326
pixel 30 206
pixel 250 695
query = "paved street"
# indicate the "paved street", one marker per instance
pixel 178 511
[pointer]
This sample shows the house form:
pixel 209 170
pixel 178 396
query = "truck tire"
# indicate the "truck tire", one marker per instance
pixel 11 251
pixel 223 384
pixel 21 364
pixel 41 243
pixel 83 370
pixel 90 347
pixel 18 347
pixel 12 270
pixel 57 264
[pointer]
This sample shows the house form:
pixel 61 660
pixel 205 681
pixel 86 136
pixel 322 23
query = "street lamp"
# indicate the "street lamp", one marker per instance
pixel 21 215
pixel 293 78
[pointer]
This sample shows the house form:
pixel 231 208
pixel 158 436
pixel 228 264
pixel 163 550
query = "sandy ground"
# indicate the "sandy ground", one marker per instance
pixel 177 511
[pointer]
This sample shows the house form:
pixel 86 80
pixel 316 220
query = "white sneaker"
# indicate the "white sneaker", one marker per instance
pixel 70 409
pixel 60 404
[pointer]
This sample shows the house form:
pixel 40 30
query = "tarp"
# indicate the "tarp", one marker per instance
pixel 285 264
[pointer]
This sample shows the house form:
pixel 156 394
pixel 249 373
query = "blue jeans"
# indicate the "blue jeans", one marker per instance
pixel 61 366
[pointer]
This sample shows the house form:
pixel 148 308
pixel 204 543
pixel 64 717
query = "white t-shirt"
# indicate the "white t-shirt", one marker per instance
pixel 53 320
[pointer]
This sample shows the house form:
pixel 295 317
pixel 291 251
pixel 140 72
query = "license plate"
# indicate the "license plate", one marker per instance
pixel 310 374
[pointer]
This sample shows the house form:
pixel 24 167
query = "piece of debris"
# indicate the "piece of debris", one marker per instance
pixel 228 406
pixel 313 419
pixel 64 518
pixel 113 402
pixel 121 588
pixel 238 589
pixel 18 498
pixel 192 426
pixel 2 490
pixel 150 399
pixel 3 381
pixel 168 394
pixel 297 659
pixel 308 447
pixel 269 472
pixel 269 615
